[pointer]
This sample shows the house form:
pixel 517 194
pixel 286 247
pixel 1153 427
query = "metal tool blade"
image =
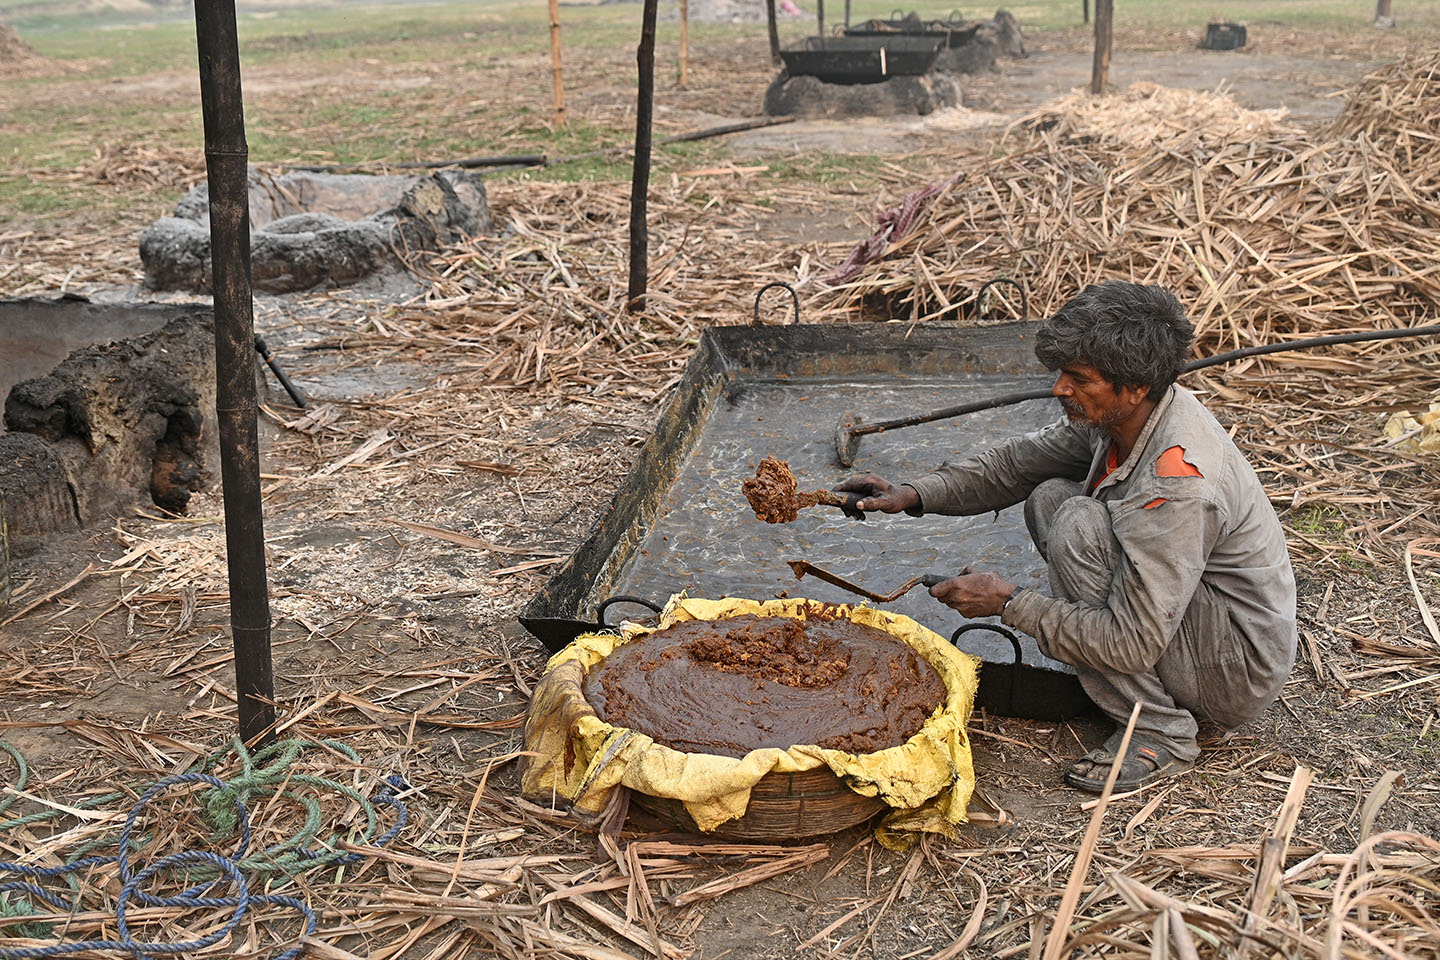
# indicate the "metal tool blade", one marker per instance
pixel 803 569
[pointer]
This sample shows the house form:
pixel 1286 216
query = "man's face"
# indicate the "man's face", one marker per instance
pixel 1087 397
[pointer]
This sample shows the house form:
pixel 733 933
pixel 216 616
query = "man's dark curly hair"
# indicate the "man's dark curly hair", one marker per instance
pixel 1134 335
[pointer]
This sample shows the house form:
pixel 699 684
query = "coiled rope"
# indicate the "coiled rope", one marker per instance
pixel 264 775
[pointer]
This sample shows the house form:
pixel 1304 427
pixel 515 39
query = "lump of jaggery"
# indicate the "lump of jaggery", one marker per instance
pixel 735 685
pixel 781 652
pixel 771 492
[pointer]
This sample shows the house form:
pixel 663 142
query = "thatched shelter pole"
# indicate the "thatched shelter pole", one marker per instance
pixel 226 157
pixel 640 179
pixel 559 83
pixel 684 41
pixel 774 31
pixel 1104 34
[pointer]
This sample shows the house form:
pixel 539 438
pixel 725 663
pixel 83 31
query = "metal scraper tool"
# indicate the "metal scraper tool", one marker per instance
pixel 803 569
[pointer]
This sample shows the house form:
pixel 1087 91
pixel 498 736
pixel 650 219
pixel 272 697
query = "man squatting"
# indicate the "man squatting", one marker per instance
pixel 1170 583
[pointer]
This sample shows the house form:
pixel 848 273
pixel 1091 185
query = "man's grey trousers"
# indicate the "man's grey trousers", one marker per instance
pixel 1196 676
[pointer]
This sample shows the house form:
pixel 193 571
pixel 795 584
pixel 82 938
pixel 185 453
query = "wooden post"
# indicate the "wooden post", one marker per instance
pixel 555 63
pixel 774 31
pixel 640 179
pixel 223 110
pixel 1382 14
pixel 684 40
pixel 1085 11
pixel 847 13
pixel 1104 32
pixel 820 17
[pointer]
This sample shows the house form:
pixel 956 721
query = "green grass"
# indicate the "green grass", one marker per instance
pixel 1319 522
pixel 503 28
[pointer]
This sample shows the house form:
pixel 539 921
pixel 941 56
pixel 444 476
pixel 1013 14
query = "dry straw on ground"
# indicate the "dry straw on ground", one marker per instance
pixel 1263 237
pixel 1146 113
pixel 133 165
pixel 1266 239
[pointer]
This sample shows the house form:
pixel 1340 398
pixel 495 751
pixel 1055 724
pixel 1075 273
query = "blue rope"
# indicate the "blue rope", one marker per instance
pixel 217 869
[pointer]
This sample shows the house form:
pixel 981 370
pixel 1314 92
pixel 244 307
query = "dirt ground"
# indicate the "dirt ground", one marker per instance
pixel 380 628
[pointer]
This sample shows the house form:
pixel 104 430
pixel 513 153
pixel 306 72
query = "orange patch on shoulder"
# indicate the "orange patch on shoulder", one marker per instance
pixel 1172 463
pixel 1154 503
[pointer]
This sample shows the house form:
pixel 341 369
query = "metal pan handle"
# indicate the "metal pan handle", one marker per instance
pixel 621 598
pixel 794 298
pixel 1014 642
pixel 1024 297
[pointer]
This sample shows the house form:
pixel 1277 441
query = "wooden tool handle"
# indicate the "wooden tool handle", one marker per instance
pixel 831 498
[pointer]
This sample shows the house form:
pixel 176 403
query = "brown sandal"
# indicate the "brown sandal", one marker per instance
pixel 1144 763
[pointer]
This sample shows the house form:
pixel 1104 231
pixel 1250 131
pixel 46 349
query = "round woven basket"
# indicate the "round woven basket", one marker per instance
pixel 782 805
pixel 580 757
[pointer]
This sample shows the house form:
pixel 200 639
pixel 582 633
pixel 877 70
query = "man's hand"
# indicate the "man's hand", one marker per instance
pixel 974 594
pixel 880 494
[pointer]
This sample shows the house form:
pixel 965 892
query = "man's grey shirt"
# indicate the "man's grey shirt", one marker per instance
pixel 1181 516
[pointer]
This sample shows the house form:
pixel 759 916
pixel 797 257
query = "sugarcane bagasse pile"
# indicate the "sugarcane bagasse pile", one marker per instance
pixel 731 686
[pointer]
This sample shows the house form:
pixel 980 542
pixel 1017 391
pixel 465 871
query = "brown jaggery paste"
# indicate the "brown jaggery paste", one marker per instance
pixel 771 492
pixel 731 686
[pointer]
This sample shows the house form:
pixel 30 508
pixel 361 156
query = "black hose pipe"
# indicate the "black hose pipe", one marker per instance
pixel 847 434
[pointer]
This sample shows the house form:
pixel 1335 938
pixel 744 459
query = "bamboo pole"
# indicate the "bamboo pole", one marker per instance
pixel 1104 35
pixel 640 179
pixel 774 31
pixel 555 63
pixel 226 155
pixel 684 41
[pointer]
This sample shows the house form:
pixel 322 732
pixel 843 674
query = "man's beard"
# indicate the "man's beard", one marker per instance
pixel 1077 414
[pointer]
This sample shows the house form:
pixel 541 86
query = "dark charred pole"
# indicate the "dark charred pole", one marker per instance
pixel 640 179
pixel 820 17
pixel 1085 11
pixel 774 31
pixel 226 155
pixel 1104 33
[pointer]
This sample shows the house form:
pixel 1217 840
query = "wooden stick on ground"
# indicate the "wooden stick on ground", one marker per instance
pixel 1059 932
pixel 803 857
pixel 1272 852
pixel 83 574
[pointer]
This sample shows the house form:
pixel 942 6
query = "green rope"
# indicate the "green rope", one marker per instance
pixel 283 857
pixel 264 775
pixel 20 908
pixel 8 907
pixel 8 799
